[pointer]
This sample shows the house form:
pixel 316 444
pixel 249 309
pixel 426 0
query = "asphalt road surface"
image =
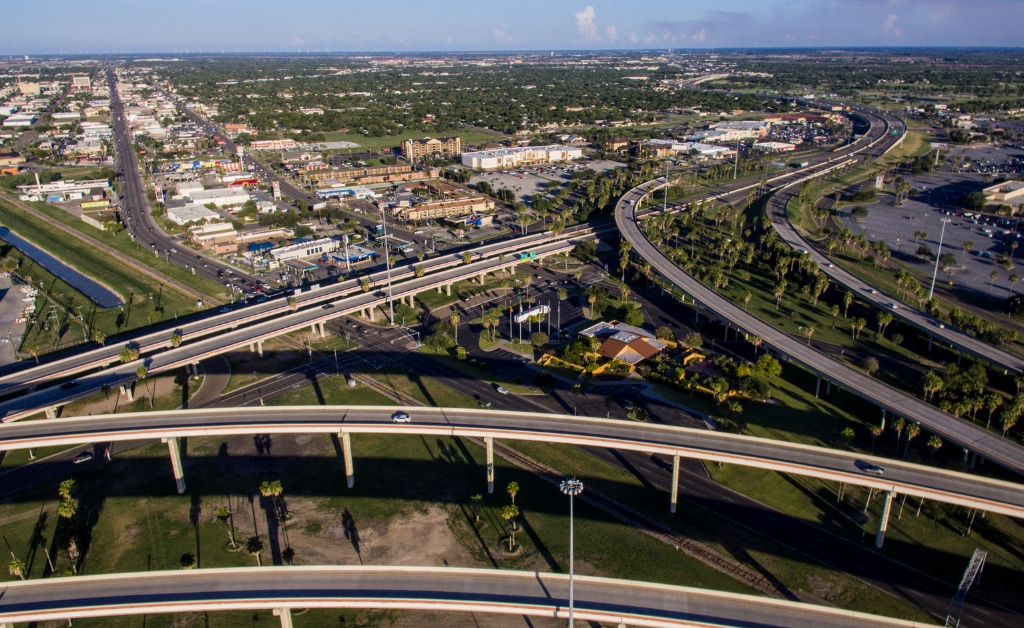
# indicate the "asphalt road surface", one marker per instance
pixel 480 590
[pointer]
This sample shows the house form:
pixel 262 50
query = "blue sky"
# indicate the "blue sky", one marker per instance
pixel 136 26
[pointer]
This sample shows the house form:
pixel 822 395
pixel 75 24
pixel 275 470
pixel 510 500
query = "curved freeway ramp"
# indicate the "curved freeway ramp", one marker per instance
pixel 538 594
pixel 910 315
pixel 830 464
pixel 950 428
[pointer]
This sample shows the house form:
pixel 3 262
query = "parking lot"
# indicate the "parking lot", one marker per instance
pixel 530 180
pixel 937 196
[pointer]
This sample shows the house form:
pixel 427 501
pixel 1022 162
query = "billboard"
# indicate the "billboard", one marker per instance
pixel 276 187
pixel 940 145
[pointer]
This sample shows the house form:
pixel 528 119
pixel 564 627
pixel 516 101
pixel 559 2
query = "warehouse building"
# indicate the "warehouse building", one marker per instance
pixel 520 156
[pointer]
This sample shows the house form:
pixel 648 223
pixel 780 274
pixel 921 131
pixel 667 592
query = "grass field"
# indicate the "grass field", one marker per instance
pixel 469 136
pixel 138 251
pixel 133 287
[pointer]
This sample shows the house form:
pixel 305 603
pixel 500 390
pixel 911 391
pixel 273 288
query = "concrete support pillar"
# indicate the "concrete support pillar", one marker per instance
pixel 412 300
pixel 346 452
pixel 481 279
pixel 959 357
pixel 129 391
pixel 252 347
pixel 675 484
pixel 930 340
pixel 259 348
pixel 179 473
pixel 817 387
pixel 883 520
pixel 725 338
pixel 286 617
pixel 372 313
pixel 312 328
pixel 882 425
pixel 439 289
pixel 828 387
pixel 51 413
pixel 490 464
pixel 449 289
pixel 323 330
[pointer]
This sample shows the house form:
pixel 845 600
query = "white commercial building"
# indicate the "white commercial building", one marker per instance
pixel 774 147
pixel 190 213
pixel 221 197
pixel 20 119
pixel 515 157
pixel 305 249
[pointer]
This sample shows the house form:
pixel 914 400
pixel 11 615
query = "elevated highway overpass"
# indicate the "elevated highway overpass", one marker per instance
pixel 889 399
pixel 252 336
pixel 281 589
pixel 895 477
pixel 147 342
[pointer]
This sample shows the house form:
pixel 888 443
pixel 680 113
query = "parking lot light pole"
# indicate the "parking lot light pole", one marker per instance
pixel 572 488
pixel 938 254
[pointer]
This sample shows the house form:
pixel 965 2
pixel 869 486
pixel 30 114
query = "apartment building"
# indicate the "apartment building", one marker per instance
pixel 428 146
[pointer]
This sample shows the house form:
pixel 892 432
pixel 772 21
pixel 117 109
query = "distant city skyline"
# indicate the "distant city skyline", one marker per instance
pixel 195 26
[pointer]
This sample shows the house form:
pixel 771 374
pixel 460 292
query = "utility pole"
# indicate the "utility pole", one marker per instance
pixel 938 254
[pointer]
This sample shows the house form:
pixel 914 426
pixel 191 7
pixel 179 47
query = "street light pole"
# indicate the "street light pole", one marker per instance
pixel 387 261
pixel 571 487
pixel 938 254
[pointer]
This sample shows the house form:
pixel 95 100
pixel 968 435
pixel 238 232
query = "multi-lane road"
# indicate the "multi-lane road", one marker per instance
pixel 889 399
pixel 135 206
pixel 880 473
pixel 927 323
pixel 30 376
pixel 604 600
pixel 253 335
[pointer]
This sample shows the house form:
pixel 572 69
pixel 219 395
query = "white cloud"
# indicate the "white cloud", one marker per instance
pixel 633 39
pixel 700 36
pixel 585 22
pixel 612 33
pixel 501 35
pixel 890 25
pixel 298 41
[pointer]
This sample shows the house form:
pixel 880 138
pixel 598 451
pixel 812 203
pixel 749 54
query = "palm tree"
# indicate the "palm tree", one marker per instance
pixel 809 331
pixel 67 509
pixel 141 373
pixel 609 402
pixel 992 276
pixel 912 431
pixel 756 341
pixel 225 516
pixel 746 299
pixel 875 433
pixel 467 257
pixel 253 547
pixel 624 291
pixel 16 567
pixel 992 403
pixel 966 246
pixel 780 291
pixel 293 303
pixel 835 313
pixel 512 488
pixel 128 354
pixel 454 318
pixel 898 426
pixel 419 271
pixel 934 444
pixel 175 340
pixel 509 513
pixel 847 300
pixel 476 502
